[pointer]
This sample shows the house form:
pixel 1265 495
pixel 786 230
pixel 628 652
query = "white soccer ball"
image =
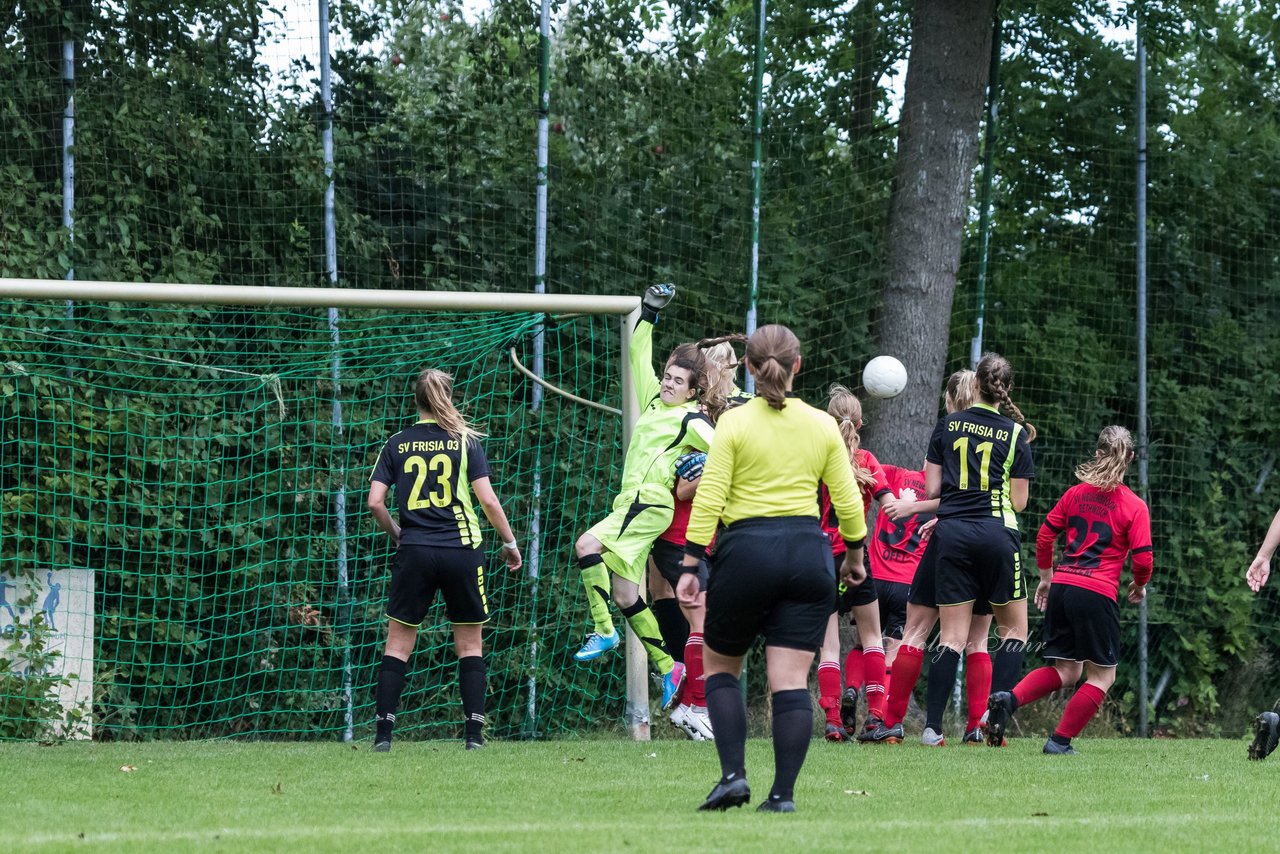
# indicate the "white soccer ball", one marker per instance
pixel 884 377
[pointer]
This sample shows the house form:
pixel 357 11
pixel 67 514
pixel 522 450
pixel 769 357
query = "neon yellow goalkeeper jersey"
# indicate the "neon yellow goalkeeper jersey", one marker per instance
pixel 662 433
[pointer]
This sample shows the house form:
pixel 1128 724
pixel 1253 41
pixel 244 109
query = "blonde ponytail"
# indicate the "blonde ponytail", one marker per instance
pixel 844 406
pixel 433 396
pixel 1110 461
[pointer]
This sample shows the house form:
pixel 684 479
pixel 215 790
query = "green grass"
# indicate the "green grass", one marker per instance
pixel 571 796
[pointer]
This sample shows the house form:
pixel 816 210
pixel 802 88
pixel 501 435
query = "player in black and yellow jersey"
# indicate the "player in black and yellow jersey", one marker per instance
pixel 772 571
pixel 437 467
pixel 979 466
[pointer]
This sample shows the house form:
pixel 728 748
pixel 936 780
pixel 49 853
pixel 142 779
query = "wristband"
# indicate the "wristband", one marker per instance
pixel 850 545
pixel 511 546
pixel 693 549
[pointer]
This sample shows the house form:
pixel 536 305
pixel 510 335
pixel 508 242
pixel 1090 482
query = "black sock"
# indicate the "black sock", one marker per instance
pixel 1060 739
pixel 471 672
pixel 728 713
pixel 942 679
pixel 1006 665
pixel 390 684
pixel 792 728
pixel 672 624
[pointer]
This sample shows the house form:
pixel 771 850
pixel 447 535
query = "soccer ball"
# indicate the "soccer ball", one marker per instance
pixel 884 377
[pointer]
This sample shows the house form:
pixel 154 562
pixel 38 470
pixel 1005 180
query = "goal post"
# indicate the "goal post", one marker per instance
pixel 231 598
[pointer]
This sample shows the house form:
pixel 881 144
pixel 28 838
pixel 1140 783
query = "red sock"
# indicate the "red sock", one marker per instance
pixel 1040 682
pixel 854 667
pixel 906 672
pixel 873 664
pixel 829 690
pixel 1083 706
pixel 977 685
pixel 695 690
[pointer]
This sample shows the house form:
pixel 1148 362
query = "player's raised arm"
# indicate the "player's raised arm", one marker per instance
pixel 640 355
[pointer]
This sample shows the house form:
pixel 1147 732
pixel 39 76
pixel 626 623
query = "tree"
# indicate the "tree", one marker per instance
pixel 937 150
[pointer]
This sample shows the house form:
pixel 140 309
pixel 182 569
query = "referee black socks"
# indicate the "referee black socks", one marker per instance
pixel 792 729
pixel 390 685
pixel 728 713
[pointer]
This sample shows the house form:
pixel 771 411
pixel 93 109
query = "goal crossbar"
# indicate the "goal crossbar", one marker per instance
pixel 164 292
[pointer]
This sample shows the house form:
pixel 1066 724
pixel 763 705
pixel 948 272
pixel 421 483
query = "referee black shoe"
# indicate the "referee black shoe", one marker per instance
pixel 382 745
pixel 1266 733
pixel 776 805
pixel 474 744
pixel 1000 708
pixel 728 793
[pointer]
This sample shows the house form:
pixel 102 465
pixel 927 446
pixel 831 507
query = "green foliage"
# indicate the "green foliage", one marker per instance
pixel 30 708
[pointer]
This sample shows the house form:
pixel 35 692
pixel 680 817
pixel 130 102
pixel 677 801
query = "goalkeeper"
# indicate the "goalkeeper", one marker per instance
pixel 613 554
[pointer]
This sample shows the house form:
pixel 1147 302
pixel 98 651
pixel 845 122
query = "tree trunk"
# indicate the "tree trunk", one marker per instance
pixel 937 151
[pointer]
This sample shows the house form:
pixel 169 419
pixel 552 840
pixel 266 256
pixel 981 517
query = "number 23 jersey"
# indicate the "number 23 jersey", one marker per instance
pixel 1102 528
pixel 432 472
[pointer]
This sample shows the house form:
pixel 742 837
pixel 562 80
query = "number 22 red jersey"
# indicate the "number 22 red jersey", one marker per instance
pixel 1102 528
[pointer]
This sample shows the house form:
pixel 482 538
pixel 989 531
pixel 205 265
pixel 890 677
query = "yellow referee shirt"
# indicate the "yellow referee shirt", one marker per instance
pixel 766 462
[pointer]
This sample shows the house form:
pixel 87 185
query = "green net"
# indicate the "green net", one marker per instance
pixel 193 480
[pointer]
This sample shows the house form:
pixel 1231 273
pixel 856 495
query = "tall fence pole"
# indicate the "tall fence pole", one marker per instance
pixel 757 172
pixel 335 369
pixel 68 155
pixel 1140 56
pixel 534 564
pixel 990 135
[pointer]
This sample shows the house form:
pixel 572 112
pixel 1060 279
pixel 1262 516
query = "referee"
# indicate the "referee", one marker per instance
pixel 772 571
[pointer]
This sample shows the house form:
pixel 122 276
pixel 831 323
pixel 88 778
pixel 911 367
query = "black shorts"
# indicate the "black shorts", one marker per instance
pixel 848 598
pixel 892 596
pixel 924 586
pixel 772 577
pixel 669 559
pixel 979 560
pixel 1081 625
pixel 422 570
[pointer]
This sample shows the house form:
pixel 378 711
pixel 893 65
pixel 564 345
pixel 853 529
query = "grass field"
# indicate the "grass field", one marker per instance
pixel 571 796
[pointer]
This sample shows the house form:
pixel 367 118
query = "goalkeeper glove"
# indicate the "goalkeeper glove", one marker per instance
pixel 655 299
pixel 690 466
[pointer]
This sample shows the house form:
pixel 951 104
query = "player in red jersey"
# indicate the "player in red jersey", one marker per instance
pixel 864 666
pixel 922 606
pixel 1104 523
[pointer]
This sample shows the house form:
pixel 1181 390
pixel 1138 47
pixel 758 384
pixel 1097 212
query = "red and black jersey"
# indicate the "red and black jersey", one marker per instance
pixel 679 521
pixel 895 547
pixel 1102 528
pixel 827 514
pixel 431 472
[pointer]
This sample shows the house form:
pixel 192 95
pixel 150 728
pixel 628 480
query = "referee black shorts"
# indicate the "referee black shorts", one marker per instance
pixel 770 577
pixel 924 586
pixel 978 561
pixel 669 559
pixel 1081 625
pixel 419 571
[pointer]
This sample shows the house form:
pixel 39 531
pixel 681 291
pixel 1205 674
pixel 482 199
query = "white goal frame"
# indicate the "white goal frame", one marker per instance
pixel 626 307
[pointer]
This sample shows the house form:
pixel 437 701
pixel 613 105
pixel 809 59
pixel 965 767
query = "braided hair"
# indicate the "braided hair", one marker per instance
pixel 846 409
pixel 995 380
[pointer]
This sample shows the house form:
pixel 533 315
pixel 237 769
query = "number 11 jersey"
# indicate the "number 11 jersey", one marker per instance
pixel 980 451
pixel 432 472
